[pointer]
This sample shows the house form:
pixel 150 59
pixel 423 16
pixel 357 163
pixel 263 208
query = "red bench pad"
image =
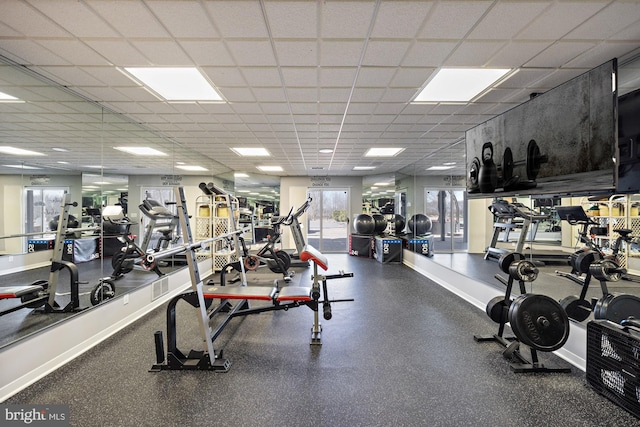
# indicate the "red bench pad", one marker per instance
pixel 18 291
pixel 294 293
pixel 311 253
pixel 262 293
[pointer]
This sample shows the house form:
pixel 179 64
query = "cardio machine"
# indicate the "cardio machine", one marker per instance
pixel 296 232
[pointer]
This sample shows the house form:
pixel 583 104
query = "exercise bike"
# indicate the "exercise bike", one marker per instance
pixel 131 254
pixel 278 261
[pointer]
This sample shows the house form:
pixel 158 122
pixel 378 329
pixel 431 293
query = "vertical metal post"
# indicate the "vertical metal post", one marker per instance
pixel 196 282
pixel 58 247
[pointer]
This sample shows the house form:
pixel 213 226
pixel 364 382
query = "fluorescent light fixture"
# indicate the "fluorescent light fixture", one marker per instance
pixel 251 151
pixel 5 97
pixel 60 149
pixel 176 84
pixel 141 151
pixel 459 84
pixel 102 182
pixel 270 168
pixel 439 168
pixel 243 191
pixel 21 167
pixel 381 184
pixel 18 151
pixel 363 168
pixel 383 152
pixel 192 168
pixel 240 175
pixel 325 151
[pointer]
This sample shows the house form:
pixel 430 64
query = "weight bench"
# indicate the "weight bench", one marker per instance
pixel 258 293
pixel 279 298
pixel 31 296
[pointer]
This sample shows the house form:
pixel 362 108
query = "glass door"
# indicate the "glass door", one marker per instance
pixel 447 210
pixel 328 220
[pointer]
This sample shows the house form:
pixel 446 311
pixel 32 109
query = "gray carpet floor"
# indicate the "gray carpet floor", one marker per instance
pixel 402 354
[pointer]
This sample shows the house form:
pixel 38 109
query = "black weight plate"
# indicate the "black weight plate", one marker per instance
pixel 507 259
pixel 618 307
pixel 534 160
pixel 576 308
pixel 496 309
pixel 474 171
pixel 600 308
pixel 605 270
pixel 103 291
pixel 539 321
pixel 582 262
pixel 507 165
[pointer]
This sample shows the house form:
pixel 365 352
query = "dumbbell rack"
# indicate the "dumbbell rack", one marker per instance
pixel 519 363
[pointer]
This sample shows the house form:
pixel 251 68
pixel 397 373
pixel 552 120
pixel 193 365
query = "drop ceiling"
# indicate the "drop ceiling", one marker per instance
pixel 298 76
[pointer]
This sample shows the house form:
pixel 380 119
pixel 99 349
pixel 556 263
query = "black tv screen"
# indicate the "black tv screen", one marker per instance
pixel 629 143
pixel 560 142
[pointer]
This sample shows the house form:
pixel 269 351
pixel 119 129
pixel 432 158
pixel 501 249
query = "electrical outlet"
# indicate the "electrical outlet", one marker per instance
pixel 125 299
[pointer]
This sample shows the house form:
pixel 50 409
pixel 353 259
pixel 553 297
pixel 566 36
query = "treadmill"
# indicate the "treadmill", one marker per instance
pixel 528 227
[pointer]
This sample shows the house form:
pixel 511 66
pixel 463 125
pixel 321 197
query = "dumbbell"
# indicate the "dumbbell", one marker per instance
pixel 517 267
pixel 606 270
pixel 532 163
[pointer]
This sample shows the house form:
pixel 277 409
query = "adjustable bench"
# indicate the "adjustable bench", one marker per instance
pixel 31 296
pixel 258 293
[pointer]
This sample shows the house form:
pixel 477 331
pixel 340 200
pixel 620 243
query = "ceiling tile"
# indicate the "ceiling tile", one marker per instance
pixel 183 18
pixel 292 19
pixel 163 53
pixel 75 17
pixel 237 19
pixel 400 19
pixel 453 19
pixel 207 52
pixel 559 54
pixel 345 19
pixel 609 21
pixel 559 18
pixel 255 53
pixel 428 54
pixel 383 53
pixel 506 19
pixel 297 53
pixel 130 18
pixel 474 53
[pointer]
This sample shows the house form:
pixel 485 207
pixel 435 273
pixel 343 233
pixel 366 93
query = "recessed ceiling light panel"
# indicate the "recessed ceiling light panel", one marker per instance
pixel 18 151
pixel 439 168
pixel 383 152
pixel 176 83
pixel 270 168
pixel 192 168
pixel 251 151
pixel 141 151
pixel 459 84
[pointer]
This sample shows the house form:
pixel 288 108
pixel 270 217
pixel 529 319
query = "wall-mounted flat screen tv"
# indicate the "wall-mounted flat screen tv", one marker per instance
pixel 560 142
pixel 629 142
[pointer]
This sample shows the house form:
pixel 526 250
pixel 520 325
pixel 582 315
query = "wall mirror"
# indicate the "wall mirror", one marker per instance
pixel 551 234
pixel 72 149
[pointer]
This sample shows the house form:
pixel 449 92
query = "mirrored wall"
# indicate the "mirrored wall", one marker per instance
pixel 74 152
